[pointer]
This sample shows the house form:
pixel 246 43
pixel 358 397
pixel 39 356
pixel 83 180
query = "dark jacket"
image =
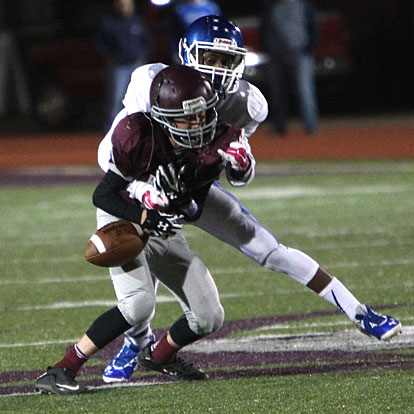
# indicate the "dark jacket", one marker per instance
pixel 123 40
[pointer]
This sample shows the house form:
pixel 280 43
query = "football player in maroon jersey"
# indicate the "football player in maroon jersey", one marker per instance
pixel 173 155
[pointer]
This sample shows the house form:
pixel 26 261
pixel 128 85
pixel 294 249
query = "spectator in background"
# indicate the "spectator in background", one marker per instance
pixel 14 92
pixel 124 42
pixel 290 35
pixel 186 12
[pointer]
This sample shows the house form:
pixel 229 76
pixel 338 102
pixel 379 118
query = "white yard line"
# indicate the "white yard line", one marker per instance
pixel 100 387
pixel 52 280
pixel 363 244
pixel 52 214
pixel 329 246
pixel 276 193
pixel 378 263
pixel 113 302
pixel 320 325
pixel 105 276
pixel 190 233
pixel 42 259
pixel 214 271
pixel 312 232
pixel 40 343
pixel 170 299
pixel 85 304
pixel 312 191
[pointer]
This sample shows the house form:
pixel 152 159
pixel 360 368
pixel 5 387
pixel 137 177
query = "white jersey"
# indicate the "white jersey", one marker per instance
pixel 246 108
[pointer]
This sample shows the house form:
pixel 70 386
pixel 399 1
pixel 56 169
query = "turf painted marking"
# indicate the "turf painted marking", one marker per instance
pixel 408 334
pixel 100 387
pixel 299 191
pixel 48 260
pixel 85 304
pixel 226 271
pixel 348 340
pixel 52 280
pixel 93 303
pixel 311 325
pixel 40 343
pixel 379 263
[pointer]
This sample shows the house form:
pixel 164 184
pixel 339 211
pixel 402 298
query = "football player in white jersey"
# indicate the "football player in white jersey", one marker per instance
pixel 214 46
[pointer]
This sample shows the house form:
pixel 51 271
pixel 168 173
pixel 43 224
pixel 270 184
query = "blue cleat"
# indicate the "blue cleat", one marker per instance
pixel 382 327
pixel 121 368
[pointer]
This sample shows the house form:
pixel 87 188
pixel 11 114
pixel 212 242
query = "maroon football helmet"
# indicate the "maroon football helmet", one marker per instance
pixel 183 92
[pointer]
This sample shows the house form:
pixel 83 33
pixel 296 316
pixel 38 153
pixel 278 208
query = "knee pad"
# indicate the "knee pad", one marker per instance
pixel 107 327
pixel 138 308
pixel 207 322
pixel 217 320
pixel 296 264
pixel 206 315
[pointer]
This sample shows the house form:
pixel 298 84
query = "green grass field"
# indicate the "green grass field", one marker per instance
pixel 354 218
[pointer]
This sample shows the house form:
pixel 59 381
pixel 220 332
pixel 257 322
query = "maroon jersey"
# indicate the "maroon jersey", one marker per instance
pixel 140 146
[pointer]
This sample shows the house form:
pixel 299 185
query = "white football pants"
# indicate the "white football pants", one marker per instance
pixel 226 219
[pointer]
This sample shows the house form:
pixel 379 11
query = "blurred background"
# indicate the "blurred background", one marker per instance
pixel 52 79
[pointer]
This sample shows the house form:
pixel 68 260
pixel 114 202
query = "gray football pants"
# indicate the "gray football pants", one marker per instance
pixel 171 262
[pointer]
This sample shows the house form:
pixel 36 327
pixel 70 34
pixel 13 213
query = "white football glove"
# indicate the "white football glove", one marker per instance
pixel 148 195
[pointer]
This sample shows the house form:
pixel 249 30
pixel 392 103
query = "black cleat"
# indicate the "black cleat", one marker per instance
pixel 58 381
pixel 177 368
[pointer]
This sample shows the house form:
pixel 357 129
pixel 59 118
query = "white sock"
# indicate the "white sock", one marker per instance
pixel 337 294
pixel 141 339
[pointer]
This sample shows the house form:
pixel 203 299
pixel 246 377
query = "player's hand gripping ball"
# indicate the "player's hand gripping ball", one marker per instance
pixel 115 244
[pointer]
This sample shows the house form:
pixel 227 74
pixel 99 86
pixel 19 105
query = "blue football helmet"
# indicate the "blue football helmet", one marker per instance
pixel 214 34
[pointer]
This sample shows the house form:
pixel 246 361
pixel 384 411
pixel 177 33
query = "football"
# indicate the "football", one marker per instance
pixel 115 244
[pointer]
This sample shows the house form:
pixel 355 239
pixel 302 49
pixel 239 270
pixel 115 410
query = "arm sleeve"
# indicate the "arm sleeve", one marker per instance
pixel 257 108
pixel 108 197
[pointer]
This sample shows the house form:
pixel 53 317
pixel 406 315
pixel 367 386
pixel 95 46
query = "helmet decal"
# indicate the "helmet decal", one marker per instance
pixel 195 105
pixel 218 35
